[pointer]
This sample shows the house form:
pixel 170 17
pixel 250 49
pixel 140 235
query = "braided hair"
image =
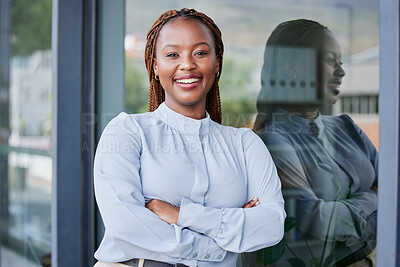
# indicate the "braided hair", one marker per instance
pixel 156 92
pixel 293 33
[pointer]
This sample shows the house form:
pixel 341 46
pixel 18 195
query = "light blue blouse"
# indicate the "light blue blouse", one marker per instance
pixel 208 170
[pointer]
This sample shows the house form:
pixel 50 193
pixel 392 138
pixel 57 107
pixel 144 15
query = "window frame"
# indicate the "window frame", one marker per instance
pixel 73 136
pixel 388 238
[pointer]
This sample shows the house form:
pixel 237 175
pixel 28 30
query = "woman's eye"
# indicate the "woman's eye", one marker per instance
pixel 201 53
pixel 171 55
pixel 330 60
pixel 333 61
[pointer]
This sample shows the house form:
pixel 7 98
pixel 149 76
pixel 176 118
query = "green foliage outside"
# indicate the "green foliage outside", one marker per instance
pixel 136 87
pixel 238 105
pixel 238 112
pixel 30 26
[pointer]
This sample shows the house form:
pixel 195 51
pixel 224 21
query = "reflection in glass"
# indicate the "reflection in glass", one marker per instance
pixel 245 27
pixel 327 164
pixel 26 164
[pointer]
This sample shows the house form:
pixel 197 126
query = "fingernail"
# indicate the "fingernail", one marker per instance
pixel 254 198
pixel 257 203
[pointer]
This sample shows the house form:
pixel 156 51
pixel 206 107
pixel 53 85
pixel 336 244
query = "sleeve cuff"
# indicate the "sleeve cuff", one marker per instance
pixel 204 220
pixel 204 251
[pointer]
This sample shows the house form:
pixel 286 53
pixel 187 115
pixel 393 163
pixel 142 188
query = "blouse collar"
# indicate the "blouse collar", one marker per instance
pixel 182 123
pixel 313 127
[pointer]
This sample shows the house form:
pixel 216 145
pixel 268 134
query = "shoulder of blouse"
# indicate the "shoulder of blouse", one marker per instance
pixel 231 131
pixel 344 122
pixel 125 123
pixel 128 119
pixel 276 131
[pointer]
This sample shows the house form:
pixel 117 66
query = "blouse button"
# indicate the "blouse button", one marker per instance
pixel 219 257
pixel 194 255
pixel 207 256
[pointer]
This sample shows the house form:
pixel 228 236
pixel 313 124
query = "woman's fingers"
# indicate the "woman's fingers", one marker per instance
pixel 252 203
pixel 165 211
pixel 375 189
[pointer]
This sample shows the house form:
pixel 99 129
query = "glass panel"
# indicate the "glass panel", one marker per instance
pixel 327 164
pixel 26 173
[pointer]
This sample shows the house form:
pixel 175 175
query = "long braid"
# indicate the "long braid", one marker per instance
pixel 156 92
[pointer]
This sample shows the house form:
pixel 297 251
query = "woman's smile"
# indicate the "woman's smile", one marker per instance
pixel 189 81
pixel 334 85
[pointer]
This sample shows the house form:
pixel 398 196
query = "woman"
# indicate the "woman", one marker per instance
pixel 171 183
pixel 326 163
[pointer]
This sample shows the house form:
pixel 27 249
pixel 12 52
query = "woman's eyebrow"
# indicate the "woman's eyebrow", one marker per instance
pixel 202 43
pixel 175 45
pixel 330 52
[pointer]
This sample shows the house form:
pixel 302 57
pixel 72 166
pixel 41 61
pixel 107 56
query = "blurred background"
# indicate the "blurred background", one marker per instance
pixel 26 56
pixel 245 28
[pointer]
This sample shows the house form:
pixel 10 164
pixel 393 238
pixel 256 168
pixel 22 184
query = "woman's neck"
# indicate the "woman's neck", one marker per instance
pixel 194 112
pixel 306 112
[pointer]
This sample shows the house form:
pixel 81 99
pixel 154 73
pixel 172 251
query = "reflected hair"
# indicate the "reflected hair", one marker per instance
pixel 293 33
pixel 156 92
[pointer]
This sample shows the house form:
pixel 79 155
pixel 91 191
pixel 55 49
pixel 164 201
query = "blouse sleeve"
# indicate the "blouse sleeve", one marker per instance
pixel 370 149
pixel 121 203
pixel 354 218
pixel 244 230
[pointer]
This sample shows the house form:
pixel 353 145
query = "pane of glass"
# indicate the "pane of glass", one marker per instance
pixel 329 187
pixel 26 163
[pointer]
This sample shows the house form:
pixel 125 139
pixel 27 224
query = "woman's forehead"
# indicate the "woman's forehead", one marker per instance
pixel 322 40
pixel 178 29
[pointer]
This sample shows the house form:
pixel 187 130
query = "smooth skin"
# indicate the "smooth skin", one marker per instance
pixel 185 51
pixel 187 65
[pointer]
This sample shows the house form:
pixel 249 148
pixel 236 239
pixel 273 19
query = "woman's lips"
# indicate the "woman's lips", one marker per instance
pixel 334 87
pixel 188 83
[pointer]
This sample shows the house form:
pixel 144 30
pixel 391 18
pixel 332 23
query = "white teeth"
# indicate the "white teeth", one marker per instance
pixel 334 85
pixel 191 80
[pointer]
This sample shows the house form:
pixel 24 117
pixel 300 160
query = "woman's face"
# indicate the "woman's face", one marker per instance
pixel 186 63
pixel 330 65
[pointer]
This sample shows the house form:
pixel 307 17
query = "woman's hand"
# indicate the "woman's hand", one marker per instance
pixel 375 189
pixel 170 214
pixel 252 203
pixel 164 210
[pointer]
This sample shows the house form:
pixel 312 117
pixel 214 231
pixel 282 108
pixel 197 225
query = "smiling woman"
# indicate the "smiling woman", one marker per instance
pixel 184 190
pixel 186 65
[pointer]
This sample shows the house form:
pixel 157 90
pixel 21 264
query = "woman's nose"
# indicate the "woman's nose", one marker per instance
pixel 339 71
pixel 187 63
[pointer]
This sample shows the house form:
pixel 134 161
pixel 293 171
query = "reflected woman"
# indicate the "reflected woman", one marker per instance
pixel 326 163
pixel 174 187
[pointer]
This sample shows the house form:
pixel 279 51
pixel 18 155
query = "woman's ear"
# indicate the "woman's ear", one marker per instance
pixel 155 68
pixel 217 68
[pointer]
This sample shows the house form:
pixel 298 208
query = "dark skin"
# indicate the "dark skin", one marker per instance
pixel 170 214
